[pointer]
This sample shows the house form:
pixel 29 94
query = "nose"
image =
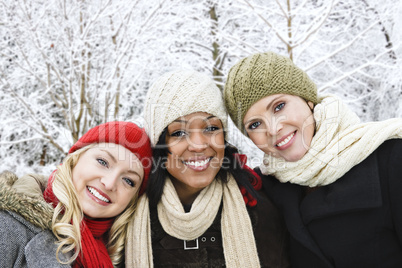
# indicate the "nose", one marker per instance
pixel 110 181
pixel 274 126
pixel 197 142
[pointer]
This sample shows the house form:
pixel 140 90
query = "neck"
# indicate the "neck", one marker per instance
pixel 186 194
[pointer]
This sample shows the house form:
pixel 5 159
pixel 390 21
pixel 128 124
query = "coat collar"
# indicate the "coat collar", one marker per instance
pixel 288 198
pixel 358 189
pixel 35 211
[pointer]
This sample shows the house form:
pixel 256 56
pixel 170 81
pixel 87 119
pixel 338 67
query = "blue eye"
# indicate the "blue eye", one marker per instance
pixel 254 125
pixel 279 107
pixel 102 162
pixel 178 133
pixel 129 182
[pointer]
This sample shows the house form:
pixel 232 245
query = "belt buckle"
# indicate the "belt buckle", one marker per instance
pixel 189 247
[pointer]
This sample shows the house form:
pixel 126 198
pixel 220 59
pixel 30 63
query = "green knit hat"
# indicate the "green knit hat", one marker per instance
pixel 261 75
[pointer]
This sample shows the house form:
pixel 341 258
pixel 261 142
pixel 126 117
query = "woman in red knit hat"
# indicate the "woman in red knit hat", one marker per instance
pixel 93 195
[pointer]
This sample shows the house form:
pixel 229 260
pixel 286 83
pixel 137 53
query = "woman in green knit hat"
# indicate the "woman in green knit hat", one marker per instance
pixel 336 180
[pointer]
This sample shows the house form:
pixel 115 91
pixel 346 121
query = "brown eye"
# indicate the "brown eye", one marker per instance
pixel 211 128
pixel 178 133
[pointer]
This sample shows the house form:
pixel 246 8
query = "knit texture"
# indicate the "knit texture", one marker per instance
pixel 177 94
pixel 127 134
pixel 340 143
pixel 261 75
pixel 237 233
pixel 94 253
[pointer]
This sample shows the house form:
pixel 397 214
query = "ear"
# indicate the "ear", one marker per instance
pixel 310 104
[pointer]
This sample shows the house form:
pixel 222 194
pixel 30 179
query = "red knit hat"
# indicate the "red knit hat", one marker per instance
pixel 126 134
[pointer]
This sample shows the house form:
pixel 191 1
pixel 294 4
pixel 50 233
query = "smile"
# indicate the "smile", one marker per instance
pixel 201 164
pixel 97 194
pixel 285 141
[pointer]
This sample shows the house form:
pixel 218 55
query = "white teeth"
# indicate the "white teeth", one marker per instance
pixel 285 141
pixel 197 163
pixel 97 194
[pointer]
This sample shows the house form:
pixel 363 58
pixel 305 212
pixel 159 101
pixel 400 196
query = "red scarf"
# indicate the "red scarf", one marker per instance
pixel 93 252
pixel 255 181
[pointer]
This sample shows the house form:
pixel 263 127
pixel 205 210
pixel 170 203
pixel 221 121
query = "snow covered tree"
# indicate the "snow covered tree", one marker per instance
pixel 66 66
pixel 349 48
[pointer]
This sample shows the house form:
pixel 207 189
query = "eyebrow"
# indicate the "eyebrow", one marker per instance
pixel 271 103
pixel 134 172
pixel 110 155
pixel 185 121
pixel 114 159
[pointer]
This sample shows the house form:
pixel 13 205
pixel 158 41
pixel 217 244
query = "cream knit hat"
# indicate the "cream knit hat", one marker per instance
pixel 177 94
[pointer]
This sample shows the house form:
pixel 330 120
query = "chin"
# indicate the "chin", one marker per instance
pixel 295 157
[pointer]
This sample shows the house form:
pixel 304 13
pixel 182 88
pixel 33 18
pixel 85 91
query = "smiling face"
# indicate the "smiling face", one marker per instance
pixel 106 178
pixel 197 147
pixel 281 125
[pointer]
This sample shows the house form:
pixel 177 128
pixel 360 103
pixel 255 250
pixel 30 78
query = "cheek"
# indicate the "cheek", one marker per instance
pixel 218 144
pixel 308 135
pixel 259 139
pixel 177 148
pixel 75 179
pixel 172 164
pixel 126 201
pixel 308 129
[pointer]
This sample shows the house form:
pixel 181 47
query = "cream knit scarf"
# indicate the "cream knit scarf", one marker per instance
pixel 340 143
pixel 237 233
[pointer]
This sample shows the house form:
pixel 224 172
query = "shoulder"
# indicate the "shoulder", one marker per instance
pixel 269 182
pixel 15 234
pixel 12 222
pixel 32 209
pixel 41 251
pixel 24 244
pixel 393 147
pixel 389 157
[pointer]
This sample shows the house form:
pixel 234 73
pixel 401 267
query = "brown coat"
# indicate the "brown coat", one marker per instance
pixel 269 232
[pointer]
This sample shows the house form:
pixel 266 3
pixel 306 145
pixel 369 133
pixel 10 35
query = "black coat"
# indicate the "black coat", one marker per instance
pixel 354 222
pixel 269 231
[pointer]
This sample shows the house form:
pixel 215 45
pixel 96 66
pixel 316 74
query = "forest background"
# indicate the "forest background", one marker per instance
pixel 66 66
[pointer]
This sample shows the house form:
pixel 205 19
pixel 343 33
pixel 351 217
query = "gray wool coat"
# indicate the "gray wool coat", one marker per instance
pixel 25 236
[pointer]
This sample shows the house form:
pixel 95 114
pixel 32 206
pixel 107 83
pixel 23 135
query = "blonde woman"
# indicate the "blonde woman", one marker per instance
pixel 90 199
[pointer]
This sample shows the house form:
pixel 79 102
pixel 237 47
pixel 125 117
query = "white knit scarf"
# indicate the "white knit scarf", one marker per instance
pixel 237 233
pixel 340 143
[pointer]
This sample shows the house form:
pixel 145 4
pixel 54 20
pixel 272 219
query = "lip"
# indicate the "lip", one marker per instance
pixel 97 200
pixel 198 163
pixel 287 145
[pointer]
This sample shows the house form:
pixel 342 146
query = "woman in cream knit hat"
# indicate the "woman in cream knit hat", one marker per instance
pixel 337 181
pixel 201 208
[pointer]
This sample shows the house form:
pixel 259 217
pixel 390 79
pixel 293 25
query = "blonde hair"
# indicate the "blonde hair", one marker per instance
pixel 68 215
